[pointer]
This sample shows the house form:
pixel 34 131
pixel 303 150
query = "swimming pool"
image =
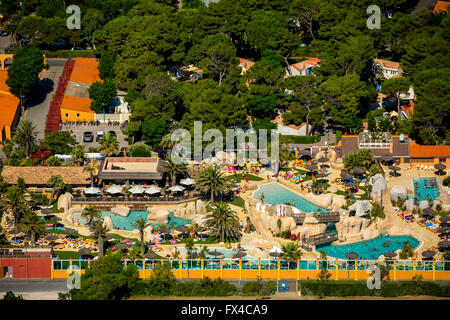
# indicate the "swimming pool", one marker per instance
pixel 125 223
pixel 422 188
pixel 275 193
pixel 372 250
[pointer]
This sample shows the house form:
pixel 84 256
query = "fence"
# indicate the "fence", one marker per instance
pixel 272 268
pixel 54 113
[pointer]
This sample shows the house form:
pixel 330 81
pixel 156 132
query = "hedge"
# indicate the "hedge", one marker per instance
pixel 388 288
pixel 201 288
pixel 303 139
pixel 70 54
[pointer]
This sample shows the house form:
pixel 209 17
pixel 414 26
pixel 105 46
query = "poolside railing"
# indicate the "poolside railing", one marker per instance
pixel 272 268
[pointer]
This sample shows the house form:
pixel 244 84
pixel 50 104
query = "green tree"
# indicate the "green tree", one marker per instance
pixel 189 246
pixel 51 8
pixel 140 224
pixel 291 252
pixel 91 213
pixel 213 181
pixel 32 224
pixel 108 145
pixel 371 124
pixel 28 62
pixel 99 231
pixel 78 152
pixel 59 142
pixel 153 131
pixel 25 135
pixel 396 86
pixel 106 66
pixel 223 222
pixel 14 200
pixel 12 297
pixel 407 251
pixel 102 95
pixel 57 184
pixel 377 211
pixel 360 159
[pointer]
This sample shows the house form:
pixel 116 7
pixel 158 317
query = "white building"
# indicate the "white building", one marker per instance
pixel 388 69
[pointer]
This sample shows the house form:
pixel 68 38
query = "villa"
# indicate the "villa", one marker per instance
pixel 304 68
pixel 388 69
pixel 131 170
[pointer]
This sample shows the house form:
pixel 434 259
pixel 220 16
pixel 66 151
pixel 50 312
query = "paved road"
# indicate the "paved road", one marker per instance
pixel 34 289
pixel 38 110
pixel 78 131
pixel 4 43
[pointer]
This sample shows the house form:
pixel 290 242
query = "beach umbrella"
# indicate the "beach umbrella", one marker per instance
pixel 444 244
pixel 120 246
pixel 321 175
pixel 182 228
pixel 428 254
pixel 394 168
pixel 428 211
pixel 240 255
pixel 200 229
pixel 51 237
pixel 352 255
pixel 55 218
pixel 311 167
pixel 322 160
pixel 69 231
pixel 114 189
pixel 359 171
pixel 187 181
pixel 346 175
pixel 47 210
pixel 150 255
pixel 91 190
pixel 444 219
pixel 183 235
pixel 84 251
pixel 136 190
pixel 176 188
pixel 387 158
pixel 215 253
pixel 322 180
pixel 349 184
pixel 439 166
pixel 164 230
pixel 153 190
pixel 275 254
pixel 390 255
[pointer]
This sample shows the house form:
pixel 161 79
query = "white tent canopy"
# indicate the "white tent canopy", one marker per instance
pixel 137 190
pixel 91 190
pixel 114 189
pixel 187 181
pixel 176 188
pixel 153 190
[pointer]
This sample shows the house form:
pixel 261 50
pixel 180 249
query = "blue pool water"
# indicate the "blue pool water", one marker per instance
pixel 367 251
pixel 120 222
pixel 422 188
pixel 275 193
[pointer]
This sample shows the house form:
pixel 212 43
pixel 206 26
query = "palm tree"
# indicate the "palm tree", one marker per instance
pixel 213 181
pixel 223 221
pixel 92 170
pixel 56 183
pixel 203 252
pixel 25 135
pixel 189 245
pixel 174 169
pixel 78 152
pixel 91 213
pixel 291 252
pixel 141 224
pixel 167 142
pixel 108 145
pixel 99 231
pixel 14 200
pixel 33 225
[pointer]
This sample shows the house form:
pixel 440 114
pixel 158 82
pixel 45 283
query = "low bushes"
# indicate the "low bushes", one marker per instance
pixel 388 288
pixel 70 54
pixel 303 139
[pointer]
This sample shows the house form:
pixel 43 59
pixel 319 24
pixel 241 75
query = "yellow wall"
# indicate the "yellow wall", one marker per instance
pixel 72 115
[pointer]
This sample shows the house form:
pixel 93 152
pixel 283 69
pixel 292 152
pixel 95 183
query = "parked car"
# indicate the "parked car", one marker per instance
pixel 4 33
pixel 77 48
pixel 88 136
pixel 99 135
pixel 113 133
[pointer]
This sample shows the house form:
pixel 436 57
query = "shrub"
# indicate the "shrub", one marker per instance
pixel 446 181
pixel 70 54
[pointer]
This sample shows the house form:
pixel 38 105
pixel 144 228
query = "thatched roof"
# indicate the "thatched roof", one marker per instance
pixel 38 176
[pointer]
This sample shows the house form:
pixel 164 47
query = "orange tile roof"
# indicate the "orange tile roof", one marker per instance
pixel 245 63
pixel 306 64
pixel 408 108
pixel 85 71
pixel 387 63
pixel 441 6
pixel 9 105
pixel 431 151
pixel 3 76
pixel 76 104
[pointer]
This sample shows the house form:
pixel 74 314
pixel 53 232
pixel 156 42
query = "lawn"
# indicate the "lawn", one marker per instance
pixel 63 255
pixel 238 202
pixel 238 178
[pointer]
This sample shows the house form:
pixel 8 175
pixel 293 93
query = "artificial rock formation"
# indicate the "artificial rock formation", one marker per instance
pixel 107 222
pixel 352 225
pixel 361 207
pixel 322 200
pixel 399 192
pixel 200 207
pixel 379 187
pixel 424 204
pixel 65 202
pixel 160 216
pixel 121 211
